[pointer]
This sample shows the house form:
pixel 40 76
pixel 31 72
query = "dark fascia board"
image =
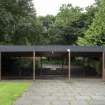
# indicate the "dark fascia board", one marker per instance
pixel 49 48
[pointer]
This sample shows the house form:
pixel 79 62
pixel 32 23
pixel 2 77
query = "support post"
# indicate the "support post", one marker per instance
pixel 103 63
pixel 62 63
pixel 69 59
pixel 0 65
pixel 34 65
pixel 41 62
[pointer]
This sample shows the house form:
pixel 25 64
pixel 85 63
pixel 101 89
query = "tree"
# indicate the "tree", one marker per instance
pixel 67 21
pixel 95 35
pixel 18 22
pixel 49 33
pixel 67 15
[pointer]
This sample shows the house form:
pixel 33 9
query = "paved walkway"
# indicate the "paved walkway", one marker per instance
pixel 64 92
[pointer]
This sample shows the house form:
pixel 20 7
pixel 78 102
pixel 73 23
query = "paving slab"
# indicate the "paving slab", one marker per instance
pixel 64 92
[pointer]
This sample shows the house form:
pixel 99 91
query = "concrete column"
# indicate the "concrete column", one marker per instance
pixel 0 65
pixel 34 65
pixel 69 61
pixel 103 63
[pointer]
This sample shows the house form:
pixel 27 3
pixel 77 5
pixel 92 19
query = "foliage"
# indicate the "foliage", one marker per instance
pixel 18 22
pixel 63 28
pixel 49 30
pixel 23 63
pixel 67 15
pixel 95 35
pixel 66 21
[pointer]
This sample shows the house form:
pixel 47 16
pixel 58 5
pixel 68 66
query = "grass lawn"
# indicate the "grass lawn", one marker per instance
pixel 10 91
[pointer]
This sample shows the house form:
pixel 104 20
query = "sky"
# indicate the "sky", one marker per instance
pixel 45 7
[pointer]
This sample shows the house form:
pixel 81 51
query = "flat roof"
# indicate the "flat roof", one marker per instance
pixel 50 48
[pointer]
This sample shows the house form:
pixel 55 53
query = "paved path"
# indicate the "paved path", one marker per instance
pixel 64 92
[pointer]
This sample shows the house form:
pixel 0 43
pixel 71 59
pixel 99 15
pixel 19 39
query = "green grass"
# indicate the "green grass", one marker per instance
pixel 10 91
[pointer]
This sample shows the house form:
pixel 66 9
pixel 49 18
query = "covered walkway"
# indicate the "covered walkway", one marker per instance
pixel 58 51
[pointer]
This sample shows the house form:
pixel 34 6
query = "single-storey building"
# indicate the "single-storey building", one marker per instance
pixel 52 50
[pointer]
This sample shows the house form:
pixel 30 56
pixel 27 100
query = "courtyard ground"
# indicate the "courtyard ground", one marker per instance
pixel 64 92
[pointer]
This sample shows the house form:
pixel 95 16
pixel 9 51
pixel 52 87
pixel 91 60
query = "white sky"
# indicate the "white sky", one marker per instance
pixel 44 7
